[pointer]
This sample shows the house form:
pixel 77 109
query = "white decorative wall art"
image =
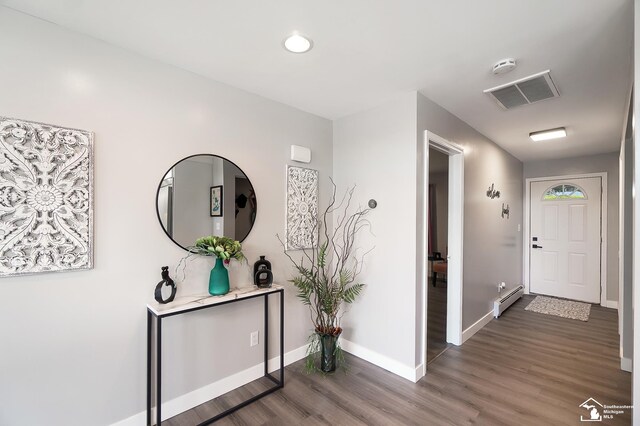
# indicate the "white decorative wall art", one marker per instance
pixel 46 198
pixel 302 208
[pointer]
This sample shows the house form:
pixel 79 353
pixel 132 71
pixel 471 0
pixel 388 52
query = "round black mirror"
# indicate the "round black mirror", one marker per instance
pixel 205 195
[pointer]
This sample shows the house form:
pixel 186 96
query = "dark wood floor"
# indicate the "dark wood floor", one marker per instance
pixel 436 318
pixel 521 369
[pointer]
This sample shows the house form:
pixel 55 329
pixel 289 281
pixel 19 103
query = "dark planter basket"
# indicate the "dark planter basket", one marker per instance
pixel 328 345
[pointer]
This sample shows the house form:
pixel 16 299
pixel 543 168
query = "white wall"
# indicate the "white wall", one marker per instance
pixel 229 196
pixel 492 245
pixel 376 150
pixel 380 149
pixel 191 183
pixel 73 344
pixel 592 164
pixel 218 222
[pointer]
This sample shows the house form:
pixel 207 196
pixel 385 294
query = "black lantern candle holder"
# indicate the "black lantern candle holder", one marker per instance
pixel 262 275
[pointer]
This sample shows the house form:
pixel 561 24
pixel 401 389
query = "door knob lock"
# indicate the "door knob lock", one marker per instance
pixel 536 246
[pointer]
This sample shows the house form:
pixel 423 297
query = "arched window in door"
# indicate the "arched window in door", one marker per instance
pixel 564 192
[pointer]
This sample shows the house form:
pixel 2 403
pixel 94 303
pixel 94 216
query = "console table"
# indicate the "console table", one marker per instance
pixel 181 305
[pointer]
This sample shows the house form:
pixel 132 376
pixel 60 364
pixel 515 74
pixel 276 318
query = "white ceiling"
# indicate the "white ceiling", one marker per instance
pixel 367 51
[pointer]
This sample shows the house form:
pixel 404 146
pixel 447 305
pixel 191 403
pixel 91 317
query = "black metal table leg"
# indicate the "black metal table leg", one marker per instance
pixel 148 368
pixel 158 370
pixel 281 337
pixel 266 334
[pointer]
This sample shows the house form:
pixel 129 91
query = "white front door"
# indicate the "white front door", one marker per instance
pixel 565 238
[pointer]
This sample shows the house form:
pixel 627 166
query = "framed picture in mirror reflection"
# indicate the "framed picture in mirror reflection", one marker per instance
pixel 216 201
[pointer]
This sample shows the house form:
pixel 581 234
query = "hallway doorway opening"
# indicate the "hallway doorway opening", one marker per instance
pixel 442 303
pixel 438 248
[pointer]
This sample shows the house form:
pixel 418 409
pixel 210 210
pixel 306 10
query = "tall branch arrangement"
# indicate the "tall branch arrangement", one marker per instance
pixel 327 273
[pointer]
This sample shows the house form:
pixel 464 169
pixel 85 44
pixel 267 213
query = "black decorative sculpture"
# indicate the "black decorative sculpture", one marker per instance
pixel 166 280
pixel 262 275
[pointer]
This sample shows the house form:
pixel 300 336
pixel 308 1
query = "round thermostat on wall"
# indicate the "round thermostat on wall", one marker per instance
pixel 504 66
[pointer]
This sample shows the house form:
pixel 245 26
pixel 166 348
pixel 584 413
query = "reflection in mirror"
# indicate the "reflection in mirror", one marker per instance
pixel 205 195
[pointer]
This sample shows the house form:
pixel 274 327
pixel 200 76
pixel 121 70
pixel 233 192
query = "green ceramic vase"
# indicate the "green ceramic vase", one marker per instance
pixel 219 279
pixel 328 343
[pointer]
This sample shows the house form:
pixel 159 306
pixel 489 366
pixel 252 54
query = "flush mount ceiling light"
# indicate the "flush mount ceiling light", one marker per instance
pixel 545 135
pixel 297 43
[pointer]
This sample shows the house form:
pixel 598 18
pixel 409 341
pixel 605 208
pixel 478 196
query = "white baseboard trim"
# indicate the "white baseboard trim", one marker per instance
pixel 626 364
pixel 613 304
pixel 135 420
pixel 421 371
pixel 406 372
pixel 214 390
pixel 475 327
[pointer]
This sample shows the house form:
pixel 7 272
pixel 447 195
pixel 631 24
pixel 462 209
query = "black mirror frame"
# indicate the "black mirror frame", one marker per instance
pixel 174 165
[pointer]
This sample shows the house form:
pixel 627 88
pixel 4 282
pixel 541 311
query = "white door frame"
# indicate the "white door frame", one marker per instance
pixel 603 229
pixel 455 239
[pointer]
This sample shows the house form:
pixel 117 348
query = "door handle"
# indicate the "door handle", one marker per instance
pixel 536 246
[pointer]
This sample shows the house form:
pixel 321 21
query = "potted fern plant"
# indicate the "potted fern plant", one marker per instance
pixel 326 278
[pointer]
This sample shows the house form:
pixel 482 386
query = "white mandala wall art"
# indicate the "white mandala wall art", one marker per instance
pixel 302 208
pixel 46 198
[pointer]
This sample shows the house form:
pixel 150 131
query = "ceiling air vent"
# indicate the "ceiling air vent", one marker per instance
pixel 528 90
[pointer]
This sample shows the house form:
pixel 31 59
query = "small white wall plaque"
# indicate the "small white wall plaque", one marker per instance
pixel 300 154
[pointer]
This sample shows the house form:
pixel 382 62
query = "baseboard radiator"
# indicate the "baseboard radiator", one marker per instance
pixel 502 303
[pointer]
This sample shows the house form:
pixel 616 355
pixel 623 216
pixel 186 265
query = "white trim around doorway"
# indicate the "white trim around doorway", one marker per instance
pixel 526 240
pixel 455 239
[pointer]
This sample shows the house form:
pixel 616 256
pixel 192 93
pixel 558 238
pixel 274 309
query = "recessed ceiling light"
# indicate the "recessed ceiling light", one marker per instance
pixel 297 43
pixel 544 135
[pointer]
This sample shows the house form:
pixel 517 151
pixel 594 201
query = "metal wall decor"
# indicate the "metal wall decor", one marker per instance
pixel 302 208
pixel 46 198
pixel 493 193
pixel 505 211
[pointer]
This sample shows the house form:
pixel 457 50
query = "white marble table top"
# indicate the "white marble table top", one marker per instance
pixel 185 303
